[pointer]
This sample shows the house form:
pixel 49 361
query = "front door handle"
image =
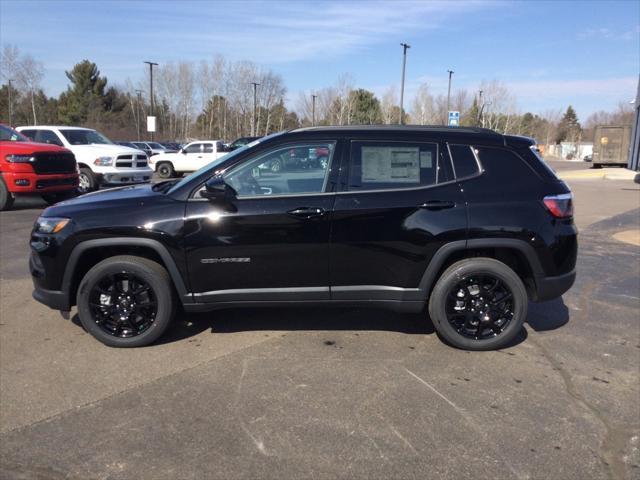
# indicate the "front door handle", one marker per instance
pixel 307 212
pixel 437 204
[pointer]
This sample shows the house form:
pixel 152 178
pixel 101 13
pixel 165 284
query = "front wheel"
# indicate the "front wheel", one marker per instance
pixel 87 181
pixel 478 304
pixel 166 170
pixel 6 197
pixel 126 301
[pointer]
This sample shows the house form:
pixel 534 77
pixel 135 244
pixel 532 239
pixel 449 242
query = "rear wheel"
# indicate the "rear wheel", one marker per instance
pixel 166 170
pixel 478 304
pixel 126 301
pixel 87 181
pixel 6 197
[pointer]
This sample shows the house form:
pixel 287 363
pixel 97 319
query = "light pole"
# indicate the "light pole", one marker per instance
pixel 313 110
pixel 481 106
pixel 151 64
pixel 449 92
pixel 253 120
pixel 404 64
pixel 10 106
pixel 138 104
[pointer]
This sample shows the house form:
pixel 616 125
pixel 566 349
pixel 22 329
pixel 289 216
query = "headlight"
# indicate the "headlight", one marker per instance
pixel 20 158
pixel 103 161
pixel 50 224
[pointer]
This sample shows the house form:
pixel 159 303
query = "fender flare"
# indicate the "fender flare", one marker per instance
pixel 158 247
pixel 444 252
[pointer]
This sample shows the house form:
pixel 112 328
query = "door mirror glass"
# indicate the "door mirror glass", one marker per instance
pixel 215 189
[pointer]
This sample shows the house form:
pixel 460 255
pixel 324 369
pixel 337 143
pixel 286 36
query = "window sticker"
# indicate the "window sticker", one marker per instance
pixel 390 164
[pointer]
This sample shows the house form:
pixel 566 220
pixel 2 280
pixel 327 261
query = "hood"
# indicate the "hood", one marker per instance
pixel 128 196
pixel 30 147
pixel 106 149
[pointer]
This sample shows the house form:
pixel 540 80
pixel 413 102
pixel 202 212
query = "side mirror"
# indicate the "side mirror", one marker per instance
pixel 215 189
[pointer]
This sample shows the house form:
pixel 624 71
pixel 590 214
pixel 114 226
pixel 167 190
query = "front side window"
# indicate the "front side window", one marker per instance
pixel 464 160
pixel 286 170
pixel 10 135
pixel 392 165
pixel 84 137
pixel 194 148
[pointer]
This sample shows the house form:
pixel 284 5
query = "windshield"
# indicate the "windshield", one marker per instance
pixel 84 137
pixel 211 166
pixel 10 135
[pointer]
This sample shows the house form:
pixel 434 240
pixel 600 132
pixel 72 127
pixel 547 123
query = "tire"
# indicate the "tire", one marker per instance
pixel 87 181
pixel 454 298
pixel 596 165
pixel 6 197
pixel 98 303
pixel 53 198
pixel 165 170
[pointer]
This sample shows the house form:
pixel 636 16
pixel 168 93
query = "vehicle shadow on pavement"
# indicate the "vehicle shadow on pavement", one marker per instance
pixel 547 316
pixel 300 319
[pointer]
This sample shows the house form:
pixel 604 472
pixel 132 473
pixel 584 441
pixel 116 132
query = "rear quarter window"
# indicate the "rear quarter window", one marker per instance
pixel 503 165
pixel 464 159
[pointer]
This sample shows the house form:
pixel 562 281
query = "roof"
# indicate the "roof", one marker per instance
pixel 66 127
pixel 407 128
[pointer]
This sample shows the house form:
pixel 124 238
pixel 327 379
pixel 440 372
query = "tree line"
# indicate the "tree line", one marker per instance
pixel 216 100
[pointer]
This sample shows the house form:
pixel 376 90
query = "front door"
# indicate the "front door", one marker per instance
pixel 270 242
pixel 397 206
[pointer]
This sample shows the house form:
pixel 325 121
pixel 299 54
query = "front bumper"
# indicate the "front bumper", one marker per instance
pixel 52 298
pixel 548 288
pixel 33 183
pixel 127 177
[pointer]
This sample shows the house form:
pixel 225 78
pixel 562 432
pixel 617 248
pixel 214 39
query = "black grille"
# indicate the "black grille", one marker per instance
pixel 50 162
pixel 56 182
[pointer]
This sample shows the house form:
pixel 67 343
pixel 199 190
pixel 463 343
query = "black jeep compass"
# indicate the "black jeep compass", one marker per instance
pixel 465 224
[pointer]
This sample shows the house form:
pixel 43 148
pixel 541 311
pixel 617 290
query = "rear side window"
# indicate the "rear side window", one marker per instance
pixel 392 165
pixel 30 133
pixel 47 136
pixel 464 160
pixel 208 148
pixel 503 165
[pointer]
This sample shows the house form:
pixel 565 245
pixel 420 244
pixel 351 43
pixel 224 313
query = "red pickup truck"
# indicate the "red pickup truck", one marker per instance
pixel 29 168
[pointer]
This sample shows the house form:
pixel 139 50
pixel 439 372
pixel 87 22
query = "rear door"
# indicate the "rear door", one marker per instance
pixel 397 206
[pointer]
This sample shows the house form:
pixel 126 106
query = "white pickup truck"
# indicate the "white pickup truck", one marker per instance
pixel 101 162
pixel 190 158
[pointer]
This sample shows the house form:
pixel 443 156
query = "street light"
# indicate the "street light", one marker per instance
pixel 253 120
pixel 404 64
pixel 10 106
pixel 313 110
pixel 138 104
pixel 151 64
pixel 449 92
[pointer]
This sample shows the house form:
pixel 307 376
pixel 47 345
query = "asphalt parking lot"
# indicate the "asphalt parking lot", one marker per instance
pixel 339 393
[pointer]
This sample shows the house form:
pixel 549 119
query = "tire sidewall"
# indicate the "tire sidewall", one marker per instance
pixel 169 170
pixel 6 198
pixel 91 179
pixel 161 290
pixel 437 303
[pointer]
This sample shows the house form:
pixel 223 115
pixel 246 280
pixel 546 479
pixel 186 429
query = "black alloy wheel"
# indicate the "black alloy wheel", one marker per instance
pixel 123 305
pixel 126 301
pixel 480 306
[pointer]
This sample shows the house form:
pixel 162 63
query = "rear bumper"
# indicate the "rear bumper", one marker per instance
pixel 548 288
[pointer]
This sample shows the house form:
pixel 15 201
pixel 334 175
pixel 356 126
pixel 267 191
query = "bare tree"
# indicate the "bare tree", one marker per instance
pixel 389 104
pixel 422 111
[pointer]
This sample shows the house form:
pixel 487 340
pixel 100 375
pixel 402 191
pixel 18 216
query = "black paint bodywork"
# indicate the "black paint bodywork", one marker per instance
pixel 382 247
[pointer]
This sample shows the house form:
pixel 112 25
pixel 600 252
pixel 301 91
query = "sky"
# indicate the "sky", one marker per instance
pixel 548 53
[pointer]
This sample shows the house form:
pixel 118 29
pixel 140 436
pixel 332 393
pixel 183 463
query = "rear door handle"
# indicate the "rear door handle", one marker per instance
pixel 437 204
pixel 307 212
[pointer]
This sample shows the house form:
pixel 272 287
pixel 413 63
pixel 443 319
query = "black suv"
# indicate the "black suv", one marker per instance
pixel 465 222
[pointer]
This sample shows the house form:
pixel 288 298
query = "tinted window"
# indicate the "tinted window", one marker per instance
pixel 47 136
pixel 85 137
pixel 503 165
pixel 383 166
pixel 208 148
pixel 30 133
pixel 194 148
pixel 291 170
pixel 10 135
pixel 464 160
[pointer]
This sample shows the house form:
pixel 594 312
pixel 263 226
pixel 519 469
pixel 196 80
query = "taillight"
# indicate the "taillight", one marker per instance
pixel 560 206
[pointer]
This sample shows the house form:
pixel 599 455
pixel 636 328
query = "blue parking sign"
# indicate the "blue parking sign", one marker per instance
pixel 454 119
